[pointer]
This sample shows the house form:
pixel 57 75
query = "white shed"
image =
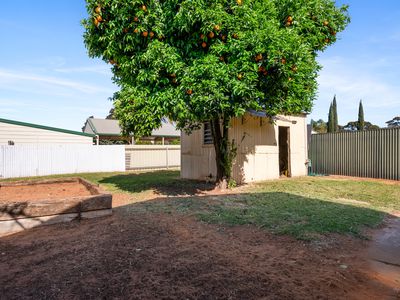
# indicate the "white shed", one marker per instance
pixel 18 133
pixel 265 149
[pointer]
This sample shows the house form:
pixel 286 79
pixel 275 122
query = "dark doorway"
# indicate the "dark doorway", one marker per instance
pixel 284 151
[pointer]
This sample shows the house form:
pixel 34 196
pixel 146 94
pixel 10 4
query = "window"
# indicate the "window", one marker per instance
pixel 207 134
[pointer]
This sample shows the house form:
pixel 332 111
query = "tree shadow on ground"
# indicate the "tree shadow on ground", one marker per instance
pixel 159 249
pixel 161 182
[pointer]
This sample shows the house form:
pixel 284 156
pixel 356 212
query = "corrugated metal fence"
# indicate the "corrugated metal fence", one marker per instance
pixel 374 153
pixel 39 160
pixel 152 156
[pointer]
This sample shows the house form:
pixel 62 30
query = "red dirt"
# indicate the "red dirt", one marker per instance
pixel 138 254
pixel 35 192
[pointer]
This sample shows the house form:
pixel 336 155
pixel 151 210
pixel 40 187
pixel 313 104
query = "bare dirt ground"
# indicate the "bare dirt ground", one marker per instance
pixel 138 254
pixel 59 190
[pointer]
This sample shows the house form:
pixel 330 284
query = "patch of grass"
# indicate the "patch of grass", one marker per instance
pixel 302 207
pixel 381 195
pixel 301 217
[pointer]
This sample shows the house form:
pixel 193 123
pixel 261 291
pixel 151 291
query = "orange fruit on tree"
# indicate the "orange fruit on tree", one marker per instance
pixel 99 18
pixel 235 36
pixel 189 91
pixel 143 7
pixel 204 44
pixel 326 23
pixel 211 35
pixel 202 36
pixel 239 2
pixel 283 60
pixel 288 24
pixel 97 10
pixel 240 76
pixel 259 57
pixel 95 22
pixel 151 34
pixel 223 37
pixel 294 68
pixel 221 58
pixel 261 69
pixel 289 19
pixel 136 30
pixel 145 33
pixel 135 19
pixel 217 28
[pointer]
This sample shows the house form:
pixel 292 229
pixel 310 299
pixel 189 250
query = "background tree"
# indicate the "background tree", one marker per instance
pixel 319 126
pixel 354 126
pixel 111 114
pixel 395 122
pixel 331 120
pixel 361 121
pixel 335 115
pixel 197 61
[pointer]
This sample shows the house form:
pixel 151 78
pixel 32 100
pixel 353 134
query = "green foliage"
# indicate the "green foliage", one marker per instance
pixel 361 121
pixel 335 114
pixel 355 125
pixel 319 126
pixel 198 60
pixel 231 183
pixel 175 142
pixel 395 122
pixel 331 120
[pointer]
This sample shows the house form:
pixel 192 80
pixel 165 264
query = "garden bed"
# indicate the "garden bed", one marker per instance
pixel 27 204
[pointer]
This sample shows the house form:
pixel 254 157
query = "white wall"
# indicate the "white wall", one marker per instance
pixel 40 160
pixel 30 135
pixel 257 149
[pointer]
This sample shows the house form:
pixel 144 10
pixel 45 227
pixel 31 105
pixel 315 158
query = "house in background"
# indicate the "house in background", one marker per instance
pixel 19 133
pixel 108 131
pixel 267 148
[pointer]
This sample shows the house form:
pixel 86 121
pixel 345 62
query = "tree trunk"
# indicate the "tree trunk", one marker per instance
pixel 221 146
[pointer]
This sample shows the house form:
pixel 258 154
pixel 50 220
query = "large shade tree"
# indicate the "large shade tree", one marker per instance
pixel 197 61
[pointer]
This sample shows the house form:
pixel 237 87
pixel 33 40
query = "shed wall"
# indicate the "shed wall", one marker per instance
pixel 30 135
pixel 257 150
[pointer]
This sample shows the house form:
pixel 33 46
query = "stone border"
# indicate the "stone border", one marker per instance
pixel 21 215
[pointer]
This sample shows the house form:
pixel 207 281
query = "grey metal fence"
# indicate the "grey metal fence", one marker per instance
pixel 374 153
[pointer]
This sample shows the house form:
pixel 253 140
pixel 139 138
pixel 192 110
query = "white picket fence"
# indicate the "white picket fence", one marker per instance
pixel 40 160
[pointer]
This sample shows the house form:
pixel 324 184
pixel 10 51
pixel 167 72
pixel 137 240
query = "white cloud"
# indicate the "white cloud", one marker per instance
pixel 352 80
pixel 102 70
pixel 8 78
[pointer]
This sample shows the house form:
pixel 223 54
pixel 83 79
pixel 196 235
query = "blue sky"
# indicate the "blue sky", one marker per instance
pixel 46 76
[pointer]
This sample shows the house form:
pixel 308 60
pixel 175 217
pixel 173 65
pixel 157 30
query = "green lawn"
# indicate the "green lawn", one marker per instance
pixel 302 207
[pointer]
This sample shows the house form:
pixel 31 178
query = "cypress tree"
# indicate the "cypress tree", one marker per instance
pixel 361 121
pixel 335 115
pixel 331 120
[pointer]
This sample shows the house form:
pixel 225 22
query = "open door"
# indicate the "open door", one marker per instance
pixel 284 151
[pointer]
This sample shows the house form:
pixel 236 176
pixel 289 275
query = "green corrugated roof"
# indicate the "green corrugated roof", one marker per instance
pixel 45 127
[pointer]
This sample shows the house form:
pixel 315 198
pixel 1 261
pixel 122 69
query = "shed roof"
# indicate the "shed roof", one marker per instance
pixel 19 123
pixel 111 127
